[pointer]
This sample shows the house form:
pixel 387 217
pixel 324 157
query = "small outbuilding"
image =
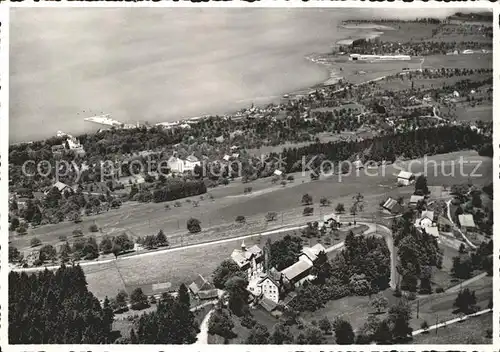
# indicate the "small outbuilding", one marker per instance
pixel 466 222
pixel 406 178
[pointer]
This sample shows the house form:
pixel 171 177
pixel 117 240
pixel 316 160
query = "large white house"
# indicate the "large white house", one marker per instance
pixel 178 165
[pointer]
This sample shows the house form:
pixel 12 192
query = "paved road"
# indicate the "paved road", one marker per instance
pixel 458 287
pixel 452 321
pixel 202 337
pixel 204 244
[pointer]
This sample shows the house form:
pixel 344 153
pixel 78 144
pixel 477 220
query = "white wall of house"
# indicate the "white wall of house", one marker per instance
pixel 270 290
pixel 404 181
pixel 189 166
pixel 176 165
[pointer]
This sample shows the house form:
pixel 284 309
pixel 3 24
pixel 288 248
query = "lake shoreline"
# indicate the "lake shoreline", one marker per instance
pixel 331 75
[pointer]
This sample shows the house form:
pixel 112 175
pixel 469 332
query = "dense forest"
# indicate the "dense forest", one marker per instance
pixel 411 145
pixel 56 308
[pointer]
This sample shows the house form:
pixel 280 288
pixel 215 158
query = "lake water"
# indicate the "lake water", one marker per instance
pixel 160 64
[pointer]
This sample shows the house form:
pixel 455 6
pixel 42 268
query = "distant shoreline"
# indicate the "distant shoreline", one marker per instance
pixel 332 71
pixel 332 76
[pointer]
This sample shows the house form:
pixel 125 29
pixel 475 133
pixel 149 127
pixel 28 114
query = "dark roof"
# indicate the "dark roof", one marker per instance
pixel 297 269
pixel 392 205
pixel 267 304
pixel 289 297
pixel 200 284
pixel 208 294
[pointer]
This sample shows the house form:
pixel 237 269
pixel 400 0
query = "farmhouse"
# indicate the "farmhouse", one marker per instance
pixel 414 199
pixel 269 285
pixel 466 222
pixel 426 219
pixel 405 178
pixel 431 230
pixel 392 206
pixel 363 57
pixel 190 163
pixel 61 187
pixel 358 164
pixel 202 289
pixel 175 164
pixel 74 145
pixel 299 272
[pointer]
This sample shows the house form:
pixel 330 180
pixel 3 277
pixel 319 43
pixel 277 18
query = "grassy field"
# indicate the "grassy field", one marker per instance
pixel 482 112
pixel 424 83
pixel 470 331
pixel 359 71
pixel 356 309
pixel 173 267
pixel 470 61
pixel 184 265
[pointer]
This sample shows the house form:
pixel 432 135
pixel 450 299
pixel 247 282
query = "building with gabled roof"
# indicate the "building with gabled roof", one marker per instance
pixel 61 187
pixel 466 221
pixel 426 219
pixel 405 178
pixel 392 206
pixel 268 304
pixel 200 284
pixel 432 230
pixel 427 214
pixel 270 285
pixel 414 199
pixel 208 294
pixel 297 272
pixel 250 260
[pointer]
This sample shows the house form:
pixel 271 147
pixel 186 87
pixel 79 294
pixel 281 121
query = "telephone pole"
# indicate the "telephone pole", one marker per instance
pixel 437 319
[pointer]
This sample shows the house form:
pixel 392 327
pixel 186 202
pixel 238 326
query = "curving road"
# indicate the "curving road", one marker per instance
pixel 202 337
pixel 387 234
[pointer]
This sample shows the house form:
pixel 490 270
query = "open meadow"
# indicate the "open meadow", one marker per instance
pixel 356 309
pixel 471 331
pixel 184 264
